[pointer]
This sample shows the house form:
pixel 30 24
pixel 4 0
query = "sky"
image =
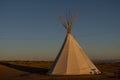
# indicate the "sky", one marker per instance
pixel 30 29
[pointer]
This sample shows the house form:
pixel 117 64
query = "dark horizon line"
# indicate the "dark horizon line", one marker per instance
pixel 53 60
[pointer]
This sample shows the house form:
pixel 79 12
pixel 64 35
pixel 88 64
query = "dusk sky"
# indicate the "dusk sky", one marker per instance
pixel 30 30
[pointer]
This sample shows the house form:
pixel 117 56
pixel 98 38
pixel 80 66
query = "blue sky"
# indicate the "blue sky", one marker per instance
pixel 30 30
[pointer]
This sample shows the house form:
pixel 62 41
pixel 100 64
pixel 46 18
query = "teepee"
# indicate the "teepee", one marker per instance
pixel 71 59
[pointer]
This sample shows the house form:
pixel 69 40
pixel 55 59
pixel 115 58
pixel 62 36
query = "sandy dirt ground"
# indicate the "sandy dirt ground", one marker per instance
pixel 37 70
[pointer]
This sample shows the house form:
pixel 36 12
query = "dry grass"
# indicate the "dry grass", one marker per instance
pixel 36 70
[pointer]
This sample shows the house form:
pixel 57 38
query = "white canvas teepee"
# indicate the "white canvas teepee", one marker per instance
pixel 71 59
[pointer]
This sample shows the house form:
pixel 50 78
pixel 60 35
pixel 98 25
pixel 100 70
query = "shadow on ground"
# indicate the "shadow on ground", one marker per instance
pixel 26 68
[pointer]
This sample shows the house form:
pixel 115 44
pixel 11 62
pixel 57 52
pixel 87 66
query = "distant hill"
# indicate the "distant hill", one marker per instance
pixel 108 60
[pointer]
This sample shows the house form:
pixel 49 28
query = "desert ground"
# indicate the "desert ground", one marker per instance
pixel 37 70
